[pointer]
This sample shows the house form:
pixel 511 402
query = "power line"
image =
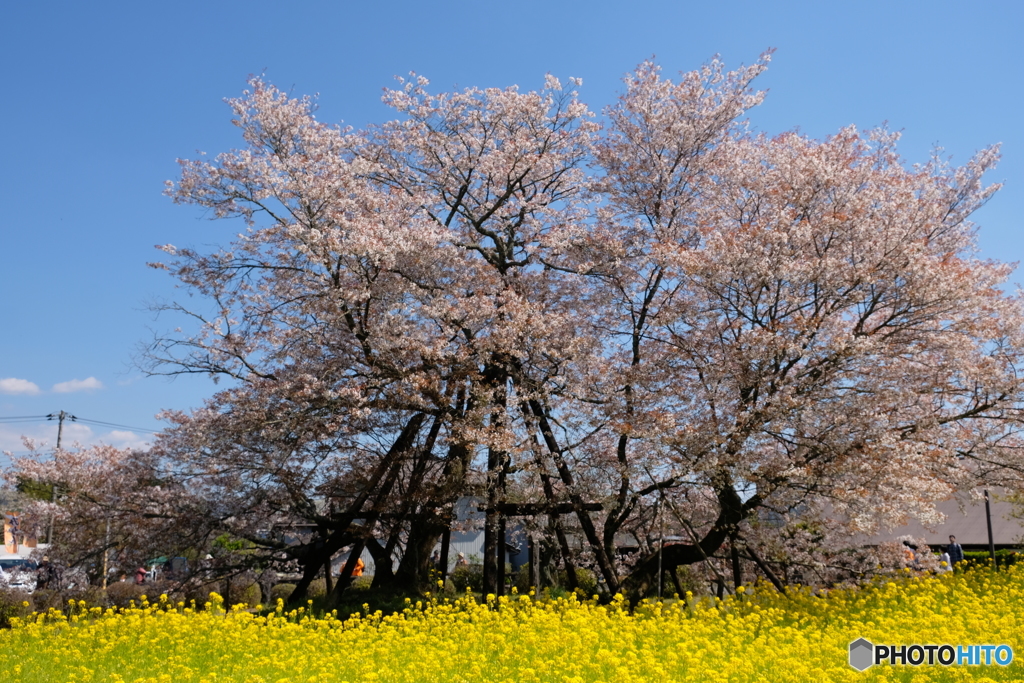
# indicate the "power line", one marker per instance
pixel 13 419
pixel 53 485
pixel 114 424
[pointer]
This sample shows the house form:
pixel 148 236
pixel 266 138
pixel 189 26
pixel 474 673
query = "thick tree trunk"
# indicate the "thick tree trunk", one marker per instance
pixel 495 378
pixel 674 573
pixel 604 561
pixel 737 568
pixel 428 525
pixel 533 558
pixel 767 570
pixel 446 542
pixel 383 562
pixel 490 559
pixel 413 492
pixel 340 537
pixel 345 579
pixel 571 579
pixel 732 511
pixel 502 555
pixel 413 572
pixel 316 556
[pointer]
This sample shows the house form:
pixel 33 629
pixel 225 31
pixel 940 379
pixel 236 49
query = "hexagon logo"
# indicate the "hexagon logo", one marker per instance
pixel 862 654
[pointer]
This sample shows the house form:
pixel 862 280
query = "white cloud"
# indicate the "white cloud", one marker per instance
pixel 12 385
pixel 44 434
pixel 77 385
pixel 124 439
pixel 75 435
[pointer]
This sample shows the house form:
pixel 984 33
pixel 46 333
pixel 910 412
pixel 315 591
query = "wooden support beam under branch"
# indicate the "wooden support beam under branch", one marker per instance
pixel 530 509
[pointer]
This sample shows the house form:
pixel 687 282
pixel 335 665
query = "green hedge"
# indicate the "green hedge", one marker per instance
pixel 13 603
pixel 245 593
pixel 317 589
pixel 585 579
pixel 281 591
pixel 468 576
pixel 980 558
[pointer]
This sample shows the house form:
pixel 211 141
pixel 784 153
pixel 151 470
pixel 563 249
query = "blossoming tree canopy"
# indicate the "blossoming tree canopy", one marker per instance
pixel 582 320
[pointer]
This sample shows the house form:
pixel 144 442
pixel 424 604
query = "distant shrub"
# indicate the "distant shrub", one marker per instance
pixel 198 590
pixel 121 593
pixel 13 603
pixel 317 589
pixel 585 579
pixel 92 596
pixel 361 583
pixel 521 579
pixel 689 580
pixel 981 558
pixel 281 591
pixel 468 576
pixel 245 592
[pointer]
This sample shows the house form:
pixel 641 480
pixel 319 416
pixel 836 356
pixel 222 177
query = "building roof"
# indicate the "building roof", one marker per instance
pixel 965 519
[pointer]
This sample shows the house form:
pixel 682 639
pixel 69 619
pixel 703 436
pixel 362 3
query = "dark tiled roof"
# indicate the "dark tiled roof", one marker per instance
pixel 965 519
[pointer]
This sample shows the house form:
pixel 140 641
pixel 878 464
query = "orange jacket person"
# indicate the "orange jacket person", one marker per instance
pixel 358 569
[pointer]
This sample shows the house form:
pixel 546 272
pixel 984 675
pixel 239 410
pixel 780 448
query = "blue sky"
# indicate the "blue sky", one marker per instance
pixel 101 98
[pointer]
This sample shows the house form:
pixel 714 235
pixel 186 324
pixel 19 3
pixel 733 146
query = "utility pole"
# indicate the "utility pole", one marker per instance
pixel 106 547
pixel 988 520
pixel 661 541
pixel 60 417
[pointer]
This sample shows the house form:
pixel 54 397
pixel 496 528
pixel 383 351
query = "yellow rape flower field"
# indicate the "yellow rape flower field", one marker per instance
pixel 758 635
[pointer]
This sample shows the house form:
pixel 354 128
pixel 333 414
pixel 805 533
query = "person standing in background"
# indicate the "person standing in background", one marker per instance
pixel 955 550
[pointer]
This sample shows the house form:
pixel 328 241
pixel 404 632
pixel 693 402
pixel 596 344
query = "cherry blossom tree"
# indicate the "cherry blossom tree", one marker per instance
pixel 334 307
pixel 599 326
pixel 114 507
pixel 840 347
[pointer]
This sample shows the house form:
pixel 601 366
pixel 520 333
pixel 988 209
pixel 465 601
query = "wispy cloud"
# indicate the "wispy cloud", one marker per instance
pixel 124 439
pixel 73 385
pixel 13 385
pixel 44 435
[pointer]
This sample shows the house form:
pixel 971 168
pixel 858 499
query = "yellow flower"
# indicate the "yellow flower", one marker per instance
pixel 525 639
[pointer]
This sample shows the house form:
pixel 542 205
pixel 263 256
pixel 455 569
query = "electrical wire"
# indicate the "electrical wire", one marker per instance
pixel 100 423
pixel 13 419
